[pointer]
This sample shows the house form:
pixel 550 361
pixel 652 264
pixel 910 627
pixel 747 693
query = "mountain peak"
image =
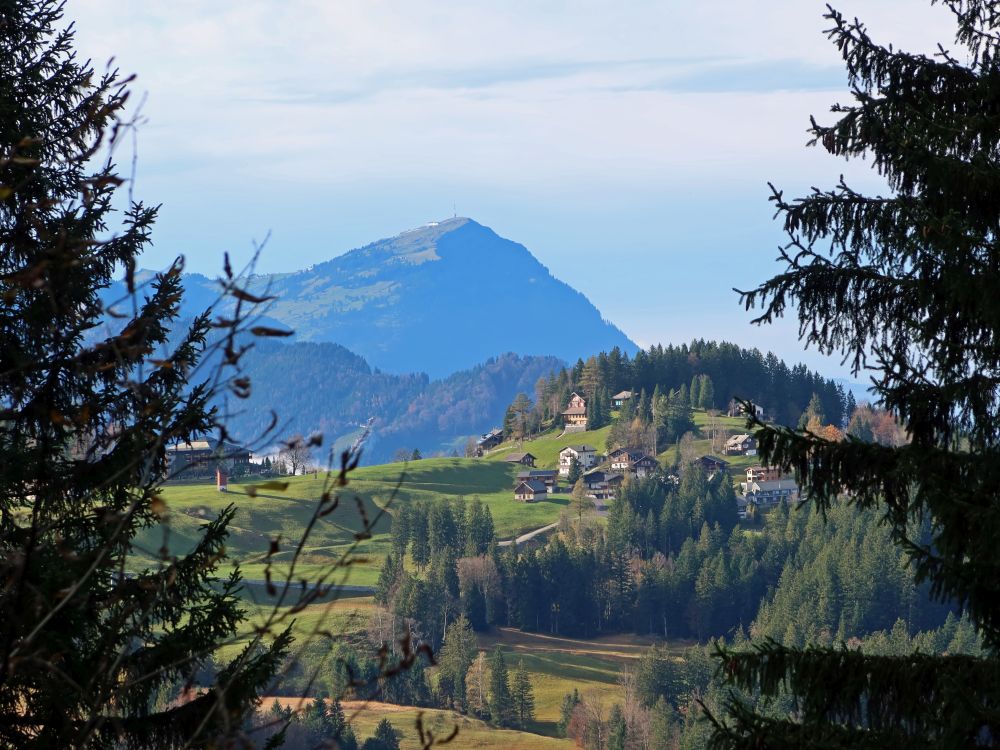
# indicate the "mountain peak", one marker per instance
pixel 438 298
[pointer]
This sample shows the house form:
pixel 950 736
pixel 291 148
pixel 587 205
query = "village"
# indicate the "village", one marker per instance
pixel 602 474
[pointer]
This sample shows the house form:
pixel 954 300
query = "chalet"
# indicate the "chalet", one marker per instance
pixel 622 458
pixel 763 474
pixel 741 445
pixel 530 491
pixel 548 477
pixel 619 399
pixel 712 464
pixel 644 466
pixel 765 494
pixel 490 440
pixel 525 459
pixel 736 409
pixel 576 412
pixel 585 454
pixel 202 457
pixel 602 485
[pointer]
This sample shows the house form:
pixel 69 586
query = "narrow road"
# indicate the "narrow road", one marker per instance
pixel 528 536
pixel 346 588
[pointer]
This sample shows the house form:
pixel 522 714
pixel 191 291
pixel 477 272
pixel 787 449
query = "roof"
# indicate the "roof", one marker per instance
pixel 773 485
pixel 737 439
pixel 531 485
pixel 622 395
pixel 576 410
pixel 205 444
pixel 580 448
pixel 194 445
pixel 713 460
pixel 517 456
pixel 645 459
pixel 531 473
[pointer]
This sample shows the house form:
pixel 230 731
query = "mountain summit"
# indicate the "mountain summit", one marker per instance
pixel 436 299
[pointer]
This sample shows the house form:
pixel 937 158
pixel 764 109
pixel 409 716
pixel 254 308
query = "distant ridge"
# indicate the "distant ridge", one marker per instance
pixel 436 299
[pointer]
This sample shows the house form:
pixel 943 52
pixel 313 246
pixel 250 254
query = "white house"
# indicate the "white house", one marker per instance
pixel 585 454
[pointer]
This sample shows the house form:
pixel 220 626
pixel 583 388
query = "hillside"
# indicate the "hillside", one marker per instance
pixel 437 299
pixel 317 387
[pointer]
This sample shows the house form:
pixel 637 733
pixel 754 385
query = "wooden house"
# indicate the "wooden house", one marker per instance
pixel 741 445
pixel 622 458
pixel 766 494
pixel 548 477
pixel 644 466
pixel 619 399
pixel 712 464
pixel 525 459
pixel 530 491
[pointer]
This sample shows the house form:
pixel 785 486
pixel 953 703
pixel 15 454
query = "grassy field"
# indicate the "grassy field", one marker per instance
pixel 472 733
pixel 342 616
pixel 560 665
pixel 545 448
pixel 491 482
pixel 372 493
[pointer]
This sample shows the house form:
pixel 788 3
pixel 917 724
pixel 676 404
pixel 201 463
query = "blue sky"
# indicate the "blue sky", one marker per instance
pixel 628 145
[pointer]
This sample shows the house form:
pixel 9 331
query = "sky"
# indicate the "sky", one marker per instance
pixel 627 144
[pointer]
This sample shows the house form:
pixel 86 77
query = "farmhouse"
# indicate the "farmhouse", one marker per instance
pixel 530 491
pixel 576 412
pixel 644 466
pixel 548 477
pixel 490 440
pixel 741 445
pixel 736 409
pixel 602 485
pixel 202 457
pixel 525 459
pixel 763 474
pixel 585 454
pixel 622 458
pixel 769 493
pixel 619 399
pixel 712 464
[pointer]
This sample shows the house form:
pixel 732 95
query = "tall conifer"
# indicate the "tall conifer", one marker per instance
pixel 84 423
pixel 904 286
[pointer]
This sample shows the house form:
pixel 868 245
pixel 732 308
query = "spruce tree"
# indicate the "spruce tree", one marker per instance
pixel 904 287
pixel 85 646
pixel 501 702
pixel 575 471
pixel 523 696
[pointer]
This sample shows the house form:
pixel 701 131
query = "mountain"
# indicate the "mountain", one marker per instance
pixel 437 299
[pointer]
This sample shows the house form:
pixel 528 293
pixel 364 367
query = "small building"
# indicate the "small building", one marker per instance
pixel 622 458
pixel 711 464
pixel 767 494
pixel 741 445
pixel 525 459
pixel 200 458
pixel 548 477
pixel 585 454
pixel 736 409
pixel 530 491
pixel 489 440
pixel 619 399
pixel 575 414
pixel 763 474
pixel 607 488
pixel 644 466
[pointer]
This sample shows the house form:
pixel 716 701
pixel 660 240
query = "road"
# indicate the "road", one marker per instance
pixel 529 536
